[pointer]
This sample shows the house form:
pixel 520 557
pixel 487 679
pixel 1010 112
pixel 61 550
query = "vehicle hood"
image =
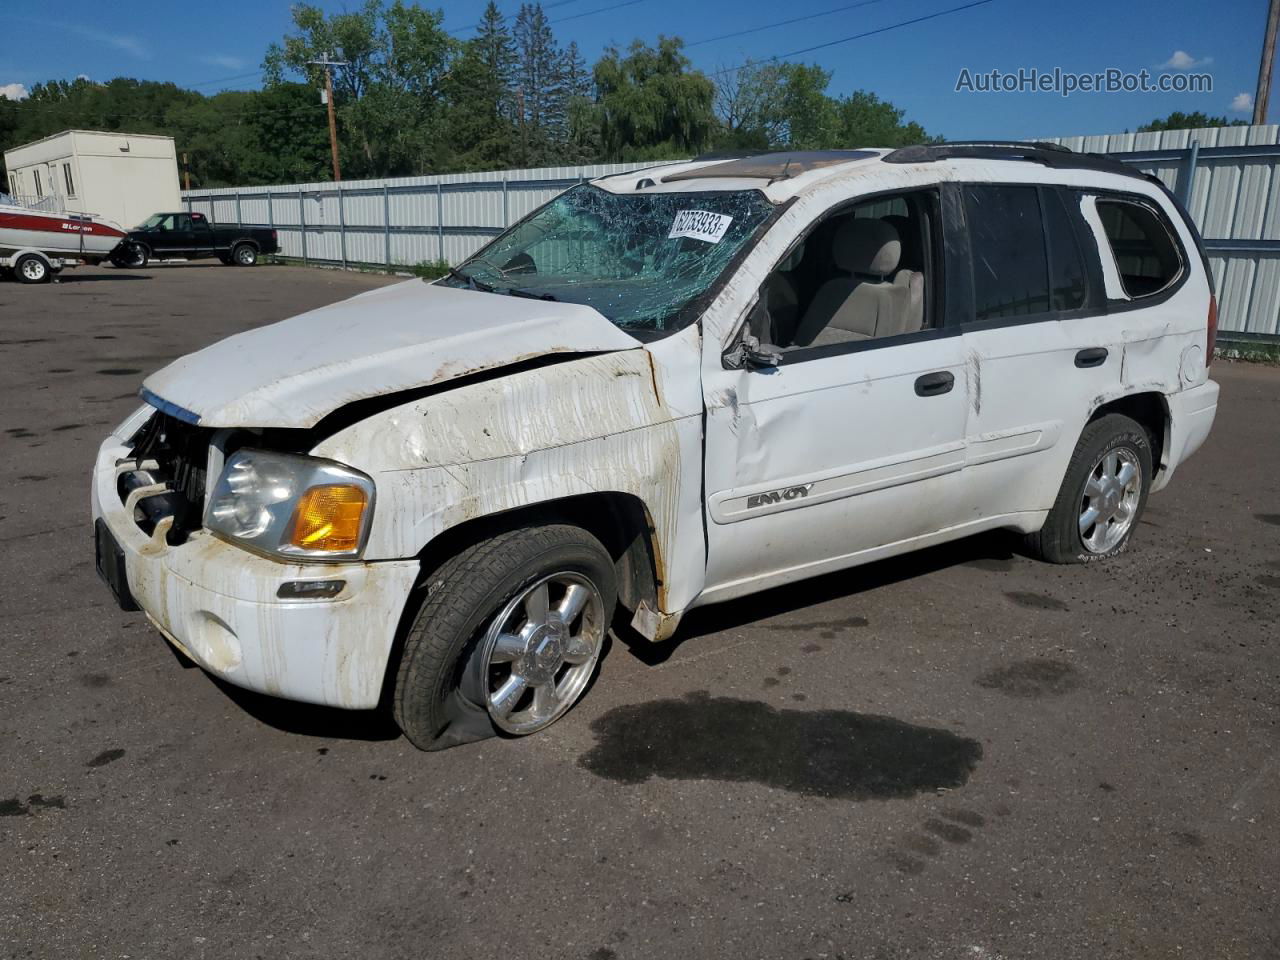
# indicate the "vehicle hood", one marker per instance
pixel 401 337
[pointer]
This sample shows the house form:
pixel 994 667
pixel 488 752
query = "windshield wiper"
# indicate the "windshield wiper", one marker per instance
pixel 470 280
pixel 528 294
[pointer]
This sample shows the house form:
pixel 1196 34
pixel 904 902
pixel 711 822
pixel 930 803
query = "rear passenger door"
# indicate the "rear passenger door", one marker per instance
pixel 1040 345
pixel 201 236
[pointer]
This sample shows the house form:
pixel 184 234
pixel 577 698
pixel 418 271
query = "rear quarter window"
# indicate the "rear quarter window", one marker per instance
pixel 1146 255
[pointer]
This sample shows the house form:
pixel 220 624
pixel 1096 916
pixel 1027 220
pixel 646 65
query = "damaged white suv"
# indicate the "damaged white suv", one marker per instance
pixel 661 390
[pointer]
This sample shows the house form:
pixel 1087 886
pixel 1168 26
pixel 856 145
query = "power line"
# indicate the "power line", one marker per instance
pixel 545 6
pixel 856 36
pixel 238 76
pixel 784 23
pixel 588 13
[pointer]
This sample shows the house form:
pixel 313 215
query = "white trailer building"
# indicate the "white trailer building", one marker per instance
pixel 124 177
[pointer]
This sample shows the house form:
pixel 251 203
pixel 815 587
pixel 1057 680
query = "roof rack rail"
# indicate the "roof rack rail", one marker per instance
pixel 1049 154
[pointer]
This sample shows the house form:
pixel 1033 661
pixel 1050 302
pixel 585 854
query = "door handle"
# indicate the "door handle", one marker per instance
pixel 1092 357
pixel 934 384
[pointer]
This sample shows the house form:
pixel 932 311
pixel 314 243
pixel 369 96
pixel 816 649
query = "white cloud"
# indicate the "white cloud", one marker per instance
pixel 82 76
pixel 1242 102
pixel 13 91
pixel 121 41
pixel 1181 60
pixel 225 61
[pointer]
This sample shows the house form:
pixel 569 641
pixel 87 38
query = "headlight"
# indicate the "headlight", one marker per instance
pixel 292 506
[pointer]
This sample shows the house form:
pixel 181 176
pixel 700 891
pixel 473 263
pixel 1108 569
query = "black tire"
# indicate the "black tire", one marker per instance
pixel 1060 540
pixel 244 255
pixel 132 256
pixel 30 268
pixel 464 595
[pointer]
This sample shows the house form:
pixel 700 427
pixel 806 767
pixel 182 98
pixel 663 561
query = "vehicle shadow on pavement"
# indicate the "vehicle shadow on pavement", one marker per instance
pixel 96 277
pixel 995 551
pixel 309 719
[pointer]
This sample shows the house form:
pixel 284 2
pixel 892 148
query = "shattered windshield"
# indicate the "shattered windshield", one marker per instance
pixel 639 259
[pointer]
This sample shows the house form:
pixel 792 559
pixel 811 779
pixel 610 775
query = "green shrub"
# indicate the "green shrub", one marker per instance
pixel 430 269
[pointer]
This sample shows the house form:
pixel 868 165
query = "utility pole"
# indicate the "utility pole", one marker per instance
pixel 329 63
pixel 186 172
pixel 1268 61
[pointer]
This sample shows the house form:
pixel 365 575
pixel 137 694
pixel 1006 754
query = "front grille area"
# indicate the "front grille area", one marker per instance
pixel 180 454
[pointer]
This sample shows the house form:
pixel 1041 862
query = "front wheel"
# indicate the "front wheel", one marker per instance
pixel 1102 495
pixel 32 269
pixel 508 637
pixel 131 255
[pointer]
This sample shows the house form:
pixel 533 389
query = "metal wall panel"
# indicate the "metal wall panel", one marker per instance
pixel 397 222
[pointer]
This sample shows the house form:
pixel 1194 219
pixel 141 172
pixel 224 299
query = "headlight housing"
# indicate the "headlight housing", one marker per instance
pixel 291 506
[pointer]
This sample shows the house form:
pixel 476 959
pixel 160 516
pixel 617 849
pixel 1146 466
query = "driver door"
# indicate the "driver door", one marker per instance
pixel 853 445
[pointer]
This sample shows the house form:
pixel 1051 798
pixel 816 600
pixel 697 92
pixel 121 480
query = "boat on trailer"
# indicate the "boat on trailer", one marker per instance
pixel 36 242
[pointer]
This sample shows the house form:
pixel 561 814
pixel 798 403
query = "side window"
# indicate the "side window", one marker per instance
pixel 182 222
pixel 1145 252
pixel 68 180
pixel 166 223
pixel 1067 272
pixel 39 185
pixel 1006 241
pixel 862 272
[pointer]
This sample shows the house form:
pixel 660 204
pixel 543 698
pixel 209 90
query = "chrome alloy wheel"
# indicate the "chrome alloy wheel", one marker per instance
pixel 540 651
pixel 1110 502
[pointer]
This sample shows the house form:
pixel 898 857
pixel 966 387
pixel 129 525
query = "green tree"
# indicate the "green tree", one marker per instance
pixel 495 49
pixel 581 136
pixel 652 104
pixel 864 120
pixel 775 104
pixel 1189 121
pixel 538 80
pixel 289 136
pixel 477 132
pixel 387 93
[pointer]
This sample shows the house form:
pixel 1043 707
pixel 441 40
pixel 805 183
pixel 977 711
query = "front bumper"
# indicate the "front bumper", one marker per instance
pixel 1191 415
pixel 218 604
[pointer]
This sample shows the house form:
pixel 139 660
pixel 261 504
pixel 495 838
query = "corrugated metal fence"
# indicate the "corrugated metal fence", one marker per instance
pixel 397 222
pixel 1226 176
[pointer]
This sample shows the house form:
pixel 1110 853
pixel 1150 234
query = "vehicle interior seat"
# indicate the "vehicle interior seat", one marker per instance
pixel 864 302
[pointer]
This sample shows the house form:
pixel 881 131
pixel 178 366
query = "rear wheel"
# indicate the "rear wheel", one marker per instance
pixel 244 255
pixel 1102 495
pixel 508 637
pixel 31 268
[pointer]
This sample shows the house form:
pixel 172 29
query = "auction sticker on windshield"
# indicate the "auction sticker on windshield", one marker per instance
pixel 700 225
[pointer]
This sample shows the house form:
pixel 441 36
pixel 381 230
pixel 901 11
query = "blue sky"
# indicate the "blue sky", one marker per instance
pixel 213 46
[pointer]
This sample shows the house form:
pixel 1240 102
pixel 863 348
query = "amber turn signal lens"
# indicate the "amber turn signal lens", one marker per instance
pixel 328 519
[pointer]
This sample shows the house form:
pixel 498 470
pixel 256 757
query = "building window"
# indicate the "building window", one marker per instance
pixel 39 185
pixel 69 180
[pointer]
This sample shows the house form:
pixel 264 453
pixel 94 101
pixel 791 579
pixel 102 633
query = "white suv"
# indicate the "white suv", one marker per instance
pixel 661 390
